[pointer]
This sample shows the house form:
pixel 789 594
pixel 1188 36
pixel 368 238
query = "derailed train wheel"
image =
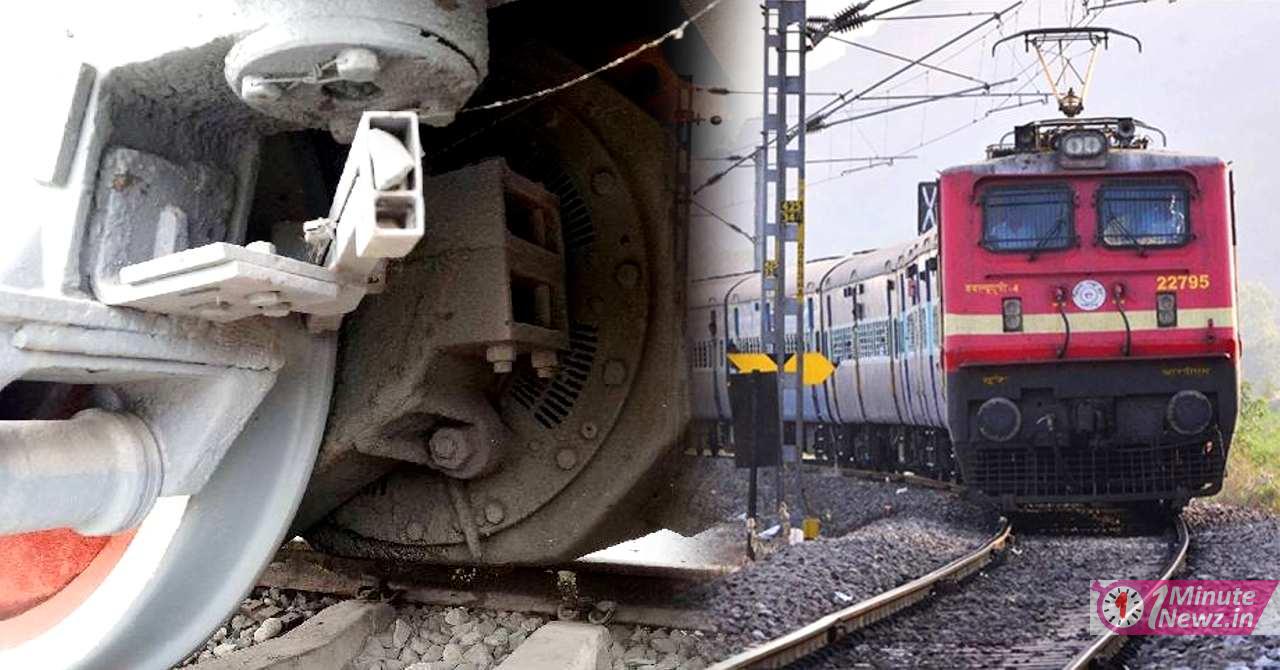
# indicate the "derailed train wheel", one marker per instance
pixel 145 597
pixel 440 450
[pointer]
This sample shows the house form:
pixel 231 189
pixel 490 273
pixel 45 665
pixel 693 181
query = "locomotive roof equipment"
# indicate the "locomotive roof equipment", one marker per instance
pixel 1057 41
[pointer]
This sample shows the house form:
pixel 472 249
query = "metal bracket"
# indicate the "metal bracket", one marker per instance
pixel 377 213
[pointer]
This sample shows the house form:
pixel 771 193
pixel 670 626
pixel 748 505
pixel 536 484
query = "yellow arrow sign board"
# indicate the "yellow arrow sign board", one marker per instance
pixel 753 362
pixel 816 368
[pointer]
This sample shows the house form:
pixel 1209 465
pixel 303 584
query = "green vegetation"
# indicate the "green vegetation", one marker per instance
pixel 1253 469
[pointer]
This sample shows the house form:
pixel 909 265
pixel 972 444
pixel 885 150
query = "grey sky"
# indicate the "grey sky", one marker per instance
pixel 1207 77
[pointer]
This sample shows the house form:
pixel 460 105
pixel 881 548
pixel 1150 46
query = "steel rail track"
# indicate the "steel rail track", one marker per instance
pixel 640 596
pixel 825 631
pixel 904 478
pixel 1108 644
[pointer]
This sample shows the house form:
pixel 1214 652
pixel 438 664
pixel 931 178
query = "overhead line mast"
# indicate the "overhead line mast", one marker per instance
pixel 780 209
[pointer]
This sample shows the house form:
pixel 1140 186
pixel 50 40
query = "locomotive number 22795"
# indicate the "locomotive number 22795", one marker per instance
pixel 1182 282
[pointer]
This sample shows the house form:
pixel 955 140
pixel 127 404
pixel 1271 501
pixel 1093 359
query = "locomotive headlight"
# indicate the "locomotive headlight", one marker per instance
pixel 1166 310
pixel 1082 144
pixel 1012 315
pixel 999 420
pixel 1189 412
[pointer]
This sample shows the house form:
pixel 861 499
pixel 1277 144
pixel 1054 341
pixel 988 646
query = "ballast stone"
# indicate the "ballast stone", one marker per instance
pixel 563 645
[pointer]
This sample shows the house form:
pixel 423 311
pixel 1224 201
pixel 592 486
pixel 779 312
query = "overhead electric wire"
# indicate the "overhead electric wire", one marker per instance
pixel 852 159
pixel 725 221
pixel 675 33
pixel 1085 19
pixel 1108 4
pixel 869 98
pixel 866 167
pixel 530 99
pixel 846 159
pixel 844 99
pixel 952 15
pixel 834 106
pixel 895 56
pixel 905 105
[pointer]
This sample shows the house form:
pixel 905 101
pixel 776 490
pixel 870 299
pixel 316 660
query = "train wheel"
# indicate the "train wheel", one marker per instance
pixel 147 597
pixel 575 452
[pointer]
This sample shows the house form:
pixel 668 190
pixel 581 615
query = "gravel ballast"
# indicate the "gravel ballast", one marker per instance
pixel 1227 542
pixel 265 614
pixel 457 638
pixel 803 582
pixel 715 491
pixel 1035 602
pixel 875 535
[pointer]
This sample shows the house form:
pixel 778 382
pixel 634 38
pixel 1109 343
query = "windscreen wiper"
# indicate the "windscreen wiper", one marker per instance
pixel 1045 239
pixel 1119 224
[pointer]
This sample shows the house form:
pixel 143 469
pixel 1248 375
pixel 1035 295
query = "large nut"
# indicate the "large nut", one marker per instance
pixel 544 363
pixel 502 356
pixel 450 448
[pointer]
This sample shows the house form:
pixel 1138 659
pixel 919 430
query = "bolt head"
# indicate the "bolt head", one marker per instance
pixel 443 445
pixel 566 459
pixel 502 356
pixel 627 274
pixel 450 448
pixel 602 182
pixel 494 512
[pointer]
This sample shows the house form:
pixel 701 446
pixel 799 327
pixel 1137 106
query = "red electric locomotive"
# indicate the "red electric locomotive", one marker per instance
pixel 1090 343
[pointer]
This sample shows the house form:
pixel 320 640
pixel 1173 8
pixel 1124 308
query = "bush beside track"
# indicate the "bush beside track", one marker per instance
pixel 1253 468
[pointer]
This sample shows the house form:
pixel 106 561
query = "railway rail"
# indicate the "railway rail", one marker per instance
pixel 1108 644
pixel 598 592
pixel 603 591
pixel 821 633
pixel 825 631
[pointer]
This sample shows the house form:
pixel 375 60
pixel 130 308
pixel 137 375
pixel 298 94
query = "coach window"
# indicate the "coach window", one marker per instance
pixel 1137 214
pixel 1028 218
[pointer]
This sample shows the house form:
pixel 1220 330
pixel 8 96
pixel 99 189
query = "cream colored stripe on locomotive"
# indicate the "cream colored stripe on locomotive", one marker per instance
pixel 1083 322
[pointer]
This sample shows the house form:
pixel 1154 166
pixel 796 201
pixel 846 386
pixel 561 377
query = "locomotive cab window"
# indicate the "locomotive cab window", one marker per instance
pixel 1022 218
pixel 1135 214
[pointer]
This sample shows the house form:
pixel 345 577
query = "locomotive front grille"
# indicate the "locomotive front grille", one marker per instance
pixel 1036 474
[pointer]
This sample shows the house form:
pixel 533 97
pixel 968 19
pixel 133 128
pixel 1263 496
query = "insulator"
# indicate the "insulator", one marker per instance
pixel 848 18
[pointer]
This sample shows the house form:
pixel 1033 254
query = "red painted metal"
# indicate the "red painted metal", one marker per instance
pixel 966 264
pixel 47 574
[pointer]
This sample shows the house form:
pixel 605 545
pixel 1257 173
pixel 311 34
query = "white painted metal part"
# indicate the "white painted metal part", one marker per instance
pixel 201 432
pixel 97 473
pixel 377 214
